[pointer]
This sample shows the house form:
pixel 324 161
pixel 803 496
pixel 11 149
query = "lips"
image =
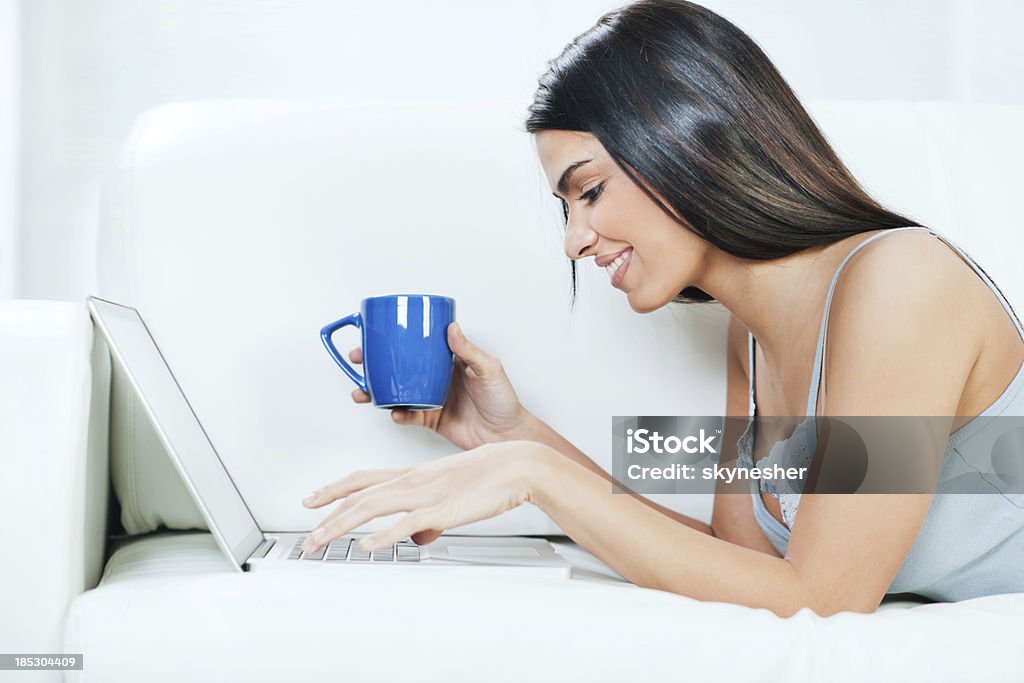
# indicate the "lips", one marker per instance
pixel 603 261
pixel 617 268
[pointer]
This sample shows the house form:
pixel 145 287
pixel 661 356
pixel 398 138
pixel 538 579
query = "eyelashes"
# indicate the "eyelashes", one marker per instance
pixel 591 195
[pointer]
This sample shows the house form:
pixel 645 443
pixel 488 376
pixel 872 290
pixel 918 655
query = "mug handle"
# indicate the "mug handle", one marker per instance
pixel 325 335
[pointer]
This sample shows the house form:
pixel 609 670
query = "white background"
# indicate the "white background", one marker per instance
pixel 75 73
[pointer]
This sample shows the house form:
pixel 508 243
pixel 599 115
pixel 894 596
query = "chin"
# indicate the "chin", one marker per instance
pixel 641 304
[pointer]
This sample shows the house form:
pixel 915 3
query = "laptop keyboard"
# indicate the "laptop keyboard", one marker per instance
pixel 348 550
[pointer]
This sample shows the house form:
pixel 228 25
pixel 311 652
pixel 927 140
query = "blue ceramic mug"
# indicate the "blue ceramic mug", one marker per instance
pixel 407 362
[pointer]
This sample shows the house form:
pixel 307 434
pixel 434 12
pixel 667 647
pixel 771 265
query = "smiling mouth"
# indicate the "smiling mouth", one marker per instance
pixel 617 269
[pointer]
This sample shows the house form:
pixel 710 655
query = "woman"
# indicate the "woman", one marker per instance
pixel 688 169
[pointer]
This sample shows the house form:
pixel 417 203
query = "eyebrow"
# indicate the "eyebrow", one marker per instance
pixel 563 182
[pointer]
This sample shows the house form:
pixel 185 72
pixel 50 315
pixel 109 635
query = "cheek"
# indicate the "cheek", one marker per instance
pixel 612 219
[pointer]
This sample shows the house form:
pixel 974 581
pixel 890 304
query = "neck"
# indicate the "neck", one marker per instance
pixel 777 300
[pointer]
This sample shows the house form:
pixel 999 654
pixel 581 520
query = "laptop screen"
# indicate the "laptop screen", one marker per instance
pixel 187 444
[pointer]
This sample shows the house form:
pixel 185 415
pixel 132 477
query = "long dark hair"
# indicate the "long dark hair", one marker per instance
pixel 685 100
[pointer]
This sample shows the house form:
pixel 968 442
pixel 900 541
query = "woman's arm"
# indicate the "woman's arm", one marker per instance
pixel 540 432
pixel 845 560
pixel 732 518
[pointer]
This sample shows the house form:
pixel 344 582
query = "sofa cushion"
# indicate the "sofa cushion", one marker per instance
pixel 54 381
pixel 169 608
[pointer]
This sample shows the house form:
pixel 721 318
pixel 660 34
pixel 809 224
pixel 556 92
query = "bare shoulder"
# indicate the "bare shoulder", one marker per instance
pixel 889 324
pixel 907 276
pixel 916 261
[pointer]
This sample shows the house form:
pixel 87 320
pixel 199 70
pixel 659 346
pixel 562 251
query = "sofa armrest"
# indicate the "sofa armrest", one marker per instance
pixel 54 396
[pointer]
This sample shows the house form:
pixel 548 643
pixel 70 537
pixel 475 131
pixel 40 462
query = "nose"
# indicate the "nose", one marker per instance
pixel 580 239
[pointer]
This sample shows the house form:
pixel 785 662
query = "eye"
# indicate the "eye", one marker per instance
pixel 592 194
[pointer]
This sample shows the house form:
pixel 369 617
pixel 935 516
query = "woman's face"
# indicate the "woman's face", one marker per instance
pixel 609 214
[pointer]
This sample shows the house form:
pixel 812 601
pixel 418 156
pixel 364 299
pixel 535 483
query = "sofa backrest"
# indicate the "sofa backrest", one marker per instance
pixel 239 228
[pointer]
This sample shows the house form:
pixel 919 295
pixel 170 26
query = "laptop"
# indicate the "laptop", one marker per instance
pixel 246 546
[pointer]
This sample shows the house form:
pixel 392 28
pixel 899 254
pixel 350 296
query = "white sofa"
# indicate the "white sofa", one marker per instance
pixel 238 228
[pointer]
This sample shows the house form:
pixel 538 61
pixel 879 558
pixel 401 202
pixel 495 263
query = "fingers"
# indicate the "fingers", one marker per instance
pixel 351 483
pixel 411 524
pixel 411 417
pixel 482 363
pixel 375 493
pixel 358 395
pixel 349 516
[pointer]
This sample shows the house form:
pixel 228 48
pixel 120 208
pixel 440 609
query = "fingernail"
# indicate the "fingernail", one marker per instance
pixel 367 543
pixel 314 539
pixel 458 331
pixel 309 499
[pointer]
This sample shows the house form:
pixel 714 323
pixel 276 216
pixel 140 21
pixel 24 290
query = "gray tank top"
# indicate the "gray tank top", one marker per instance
pixel 970 544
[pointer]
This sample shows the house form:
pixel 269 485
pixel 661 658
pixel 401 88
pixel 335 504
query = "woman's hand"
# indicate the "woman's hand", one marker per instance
pixel 481 406
pixel 449 492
